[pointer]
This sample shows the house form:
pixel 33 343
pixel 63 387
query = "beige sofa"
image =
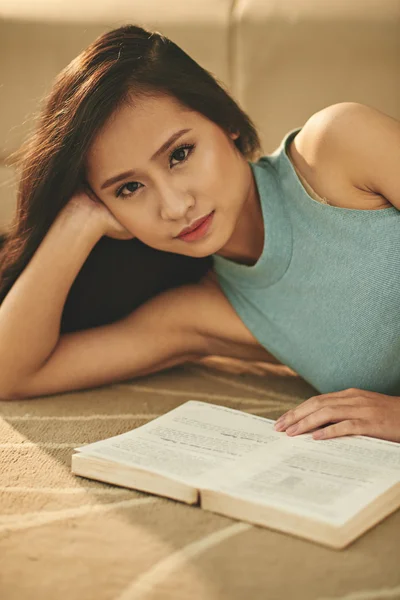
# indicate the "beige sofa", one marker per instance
pixel 68 538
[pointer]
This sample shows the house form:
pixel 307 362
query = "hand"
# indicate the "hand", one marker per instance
pixel 352 412
pixel 86 200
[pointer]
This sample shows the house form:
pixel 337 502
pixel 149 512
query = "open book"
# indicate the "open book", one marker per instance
pixel 236 464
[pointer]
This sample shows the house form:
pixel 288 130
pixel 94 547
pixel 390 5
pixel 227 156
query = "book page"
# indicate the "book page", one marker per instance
pixel 193 439
pixel 378 453
pixel 330 480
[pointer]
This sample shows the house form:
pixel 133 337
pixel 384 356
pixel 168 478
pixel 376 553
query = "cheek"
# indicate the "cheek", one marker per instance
pixel 142 222
pixel 212 165
pixel 211 179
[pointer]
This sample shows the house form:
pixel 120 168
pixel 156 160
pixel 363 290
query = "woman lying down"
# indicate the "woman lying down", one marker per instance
pixel 292 257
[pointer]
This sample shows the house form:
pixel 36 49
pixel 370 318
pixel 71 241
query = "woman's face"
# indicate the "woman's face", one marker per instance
pixel 155 193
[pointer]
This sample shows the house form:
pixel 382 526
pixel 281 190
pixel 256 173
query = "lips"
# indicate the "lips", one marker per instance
pixel 200 231
pixel 194 226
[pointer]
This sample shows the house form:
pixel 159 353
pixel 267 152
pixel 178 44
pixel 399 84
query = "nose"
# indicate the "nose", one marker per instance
pixel 174 203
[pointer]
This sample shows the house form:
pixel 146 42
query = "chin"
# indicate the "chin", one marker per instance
pixel 198 253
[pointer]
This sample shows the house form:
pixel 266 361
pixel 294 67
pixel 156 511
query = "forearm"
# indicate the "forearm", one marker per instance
pixel 30 315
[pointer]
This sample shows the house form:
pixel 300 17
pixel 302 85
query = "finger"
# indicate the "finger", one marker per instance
pixel 313 404
pixel 348 427
pixel 323 416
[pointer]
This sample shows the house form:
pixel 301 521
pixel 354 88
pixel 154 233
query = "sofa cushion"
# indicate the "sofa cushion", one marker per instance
pixel 294 57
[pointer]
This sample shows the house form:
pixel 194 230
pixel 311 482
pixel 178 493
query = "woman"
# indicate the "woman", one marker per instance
pixel 292 258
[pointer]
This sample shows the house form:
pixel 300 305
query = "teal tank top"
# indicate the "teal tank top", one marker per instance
pixel 324 296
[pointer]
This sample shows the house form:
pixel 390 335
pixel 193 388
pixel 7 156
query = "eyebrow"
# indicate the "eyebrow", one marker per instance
pixel 161 150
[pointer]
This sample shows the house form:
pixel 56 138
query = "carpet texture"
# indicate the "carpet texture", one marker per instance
pixel 63 537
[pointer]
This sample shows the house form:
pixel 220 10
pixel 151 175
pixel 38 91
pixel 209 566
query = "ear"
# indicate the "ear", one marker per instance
pixel 234 135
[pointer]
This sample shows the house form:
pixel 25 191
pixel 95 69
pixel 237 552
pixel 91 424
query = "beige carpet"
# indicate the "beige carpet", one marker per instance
pixel 65 537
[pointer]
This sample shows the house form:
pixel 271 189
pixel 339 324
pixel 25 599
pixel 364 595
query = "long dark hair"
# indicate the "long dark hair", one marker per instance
pixel 123 64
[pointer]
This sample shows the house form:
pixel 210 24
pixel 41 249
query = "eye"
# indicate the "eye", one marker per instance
pixel 179 150
pixel 119 191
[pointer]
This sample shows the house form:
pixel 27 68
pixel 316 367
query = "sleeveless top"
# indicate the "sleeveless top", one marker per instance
pixel 324 295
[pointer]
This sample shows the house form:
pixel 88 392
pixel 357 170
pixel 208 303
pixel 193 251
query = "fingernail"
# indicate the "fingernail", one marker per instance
pixel 292 430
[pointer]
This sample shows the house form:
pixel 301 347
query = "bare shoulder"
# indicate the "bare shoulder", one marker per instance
pixel 322 154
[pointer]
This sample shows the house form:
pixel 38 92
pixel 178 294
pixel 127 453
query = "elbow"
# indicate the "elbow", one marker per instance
pixel 17 388
pixel 8 395
pixel 8 398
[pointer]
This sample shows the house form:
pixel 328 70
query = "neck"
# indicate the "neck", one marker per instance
pixel 246 244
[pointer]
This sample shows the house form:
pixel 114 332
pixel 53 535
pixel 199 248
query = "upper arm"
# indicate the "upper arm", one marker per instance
pixel 161 333
pixel 360 142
